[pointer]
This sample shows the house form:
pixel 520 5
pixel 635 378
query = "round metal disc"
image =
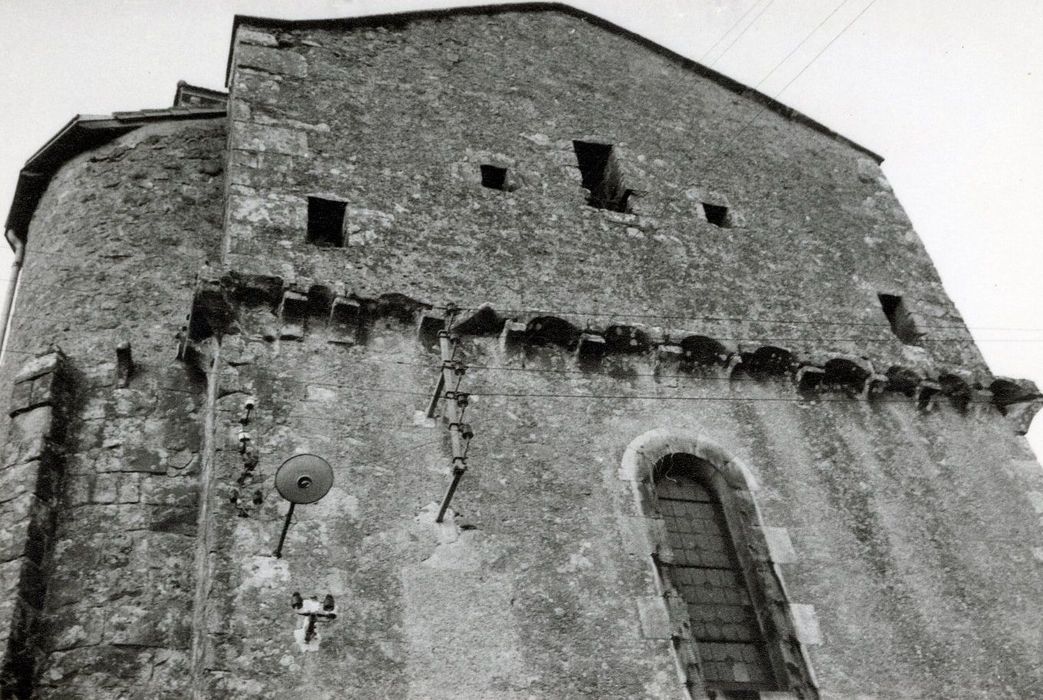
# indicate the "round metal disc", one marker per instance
pixel 304 478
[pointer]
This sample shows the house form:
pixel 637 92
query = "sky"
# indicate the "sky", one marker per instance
pixel 949 92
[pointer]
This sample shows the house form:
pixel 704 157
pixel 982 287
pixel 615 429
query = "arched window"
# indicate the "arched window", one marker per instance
pixel 706 570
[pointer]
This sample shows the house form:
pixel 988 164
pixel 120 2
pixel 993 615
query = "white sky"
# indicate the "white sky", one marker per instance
pixel 950 92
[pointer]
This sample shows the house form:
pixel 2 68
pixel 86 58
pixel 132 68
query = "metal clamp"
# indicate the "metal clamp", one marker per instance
pixel 466 432
pixel 311 608
pixel 453 337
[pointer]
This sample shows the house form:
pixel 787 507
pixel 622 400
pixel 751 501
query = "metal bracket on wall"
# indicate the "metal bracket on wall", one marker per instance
pixel 460 433
pixel 314 612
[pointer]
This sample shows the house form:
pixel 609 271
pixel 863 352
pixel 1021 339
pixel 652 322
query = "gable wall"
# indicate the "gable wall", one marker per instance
pixel 879 499
pixel 915 540
pixel 396 121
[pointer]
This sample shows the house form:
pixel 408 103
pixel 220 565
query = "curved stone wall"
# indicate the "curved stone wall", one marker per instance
pixel 111 259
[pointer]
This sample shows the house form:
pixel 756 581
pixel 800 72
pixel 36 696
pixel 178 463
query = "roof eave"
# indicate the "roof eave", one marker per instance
pixel 80 134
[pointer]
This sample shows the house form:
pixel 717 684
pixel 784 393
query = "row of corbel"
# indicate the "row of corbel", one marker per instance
pixel 347 315
pixel 683 350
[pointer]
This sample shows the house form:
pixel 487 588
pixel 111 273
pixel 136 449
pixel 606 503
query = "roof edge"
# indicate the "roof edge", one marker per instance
pixel 401 18
pixel 80 134
pixel 189 95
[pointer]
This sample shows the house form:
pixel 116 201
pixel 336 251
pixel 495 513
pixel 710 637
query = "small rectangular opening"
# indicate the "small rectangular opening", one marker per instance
pixel 717 214
pixel 326 222
pixel 903 325
pixel 494 177
pixel 602 176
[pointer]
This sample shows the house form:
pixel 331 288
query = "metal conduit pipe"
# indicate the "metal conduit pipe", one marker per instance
pixel 16 269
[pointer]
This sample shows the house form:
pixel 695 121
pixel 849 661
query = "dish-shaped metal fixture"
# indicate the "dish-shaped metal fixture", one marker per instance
pixel 304 478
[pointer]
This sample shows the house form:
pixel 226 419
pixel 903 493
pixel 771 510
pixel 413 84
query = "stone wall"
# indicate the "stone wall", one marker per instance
pixel 395 120
pixel 111 258
pixel 891 513
pixel 890 509
pixel 32 475
pixel 902 534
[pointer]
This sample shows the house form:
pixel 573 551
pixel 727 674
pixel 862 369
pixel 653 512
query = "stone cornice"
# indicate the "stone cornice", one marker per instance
pixel 219 295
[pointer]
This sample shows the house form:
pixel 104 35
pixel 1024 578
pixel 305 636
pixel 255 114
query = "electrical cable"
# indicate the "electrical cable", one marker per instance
pixel 621 314
pixel 740 35
pixel 711 319
pixel 613 397
pixel 691 377
pixel 729 30
pixel 756 115
pixel 800 44
pixel 372 389
pixel 354 387
pixel 760 110
pixel 638 397
pixel 761 340
pixel 627 314
pixel 723 319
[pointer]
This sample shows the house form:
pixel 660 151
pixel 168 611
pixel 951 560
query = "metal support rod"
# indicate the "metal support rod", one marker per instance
pixel 309 632
pixel 447 358
pixel 285 528
pixel 457 474
pixel 12 288
pixel 432 406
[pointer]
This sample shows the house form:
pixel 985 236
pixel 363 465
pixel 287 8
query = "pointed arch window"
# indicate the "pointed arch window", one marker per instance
pixel 707 572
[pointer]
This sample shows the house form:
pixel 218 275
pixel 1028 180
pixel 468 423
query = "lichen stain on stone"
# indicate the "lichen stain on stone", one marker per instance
pixel 481 659
pixel 461 554
pixel 663 686
pixel 335 505
pixel 289 662
pixel 538 601
pixel 299 634
pixel 445 531
pixel 321 394
pixel 265 572
pixel 577 561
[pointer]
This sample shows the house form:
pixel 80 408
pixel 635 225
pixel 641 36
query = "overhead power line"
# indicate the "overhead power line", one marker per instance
pixel 800 44
pixel 637 314
pixel 740 34
pixel 728 336
pixel 729 31
pixel 354 385
pixel 760 110
pixel 746 337
pixel 730 319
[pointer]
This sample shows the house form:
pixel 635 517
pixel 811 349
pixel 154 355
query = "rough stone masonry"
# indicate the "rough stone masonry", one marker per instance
pixel 731 439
